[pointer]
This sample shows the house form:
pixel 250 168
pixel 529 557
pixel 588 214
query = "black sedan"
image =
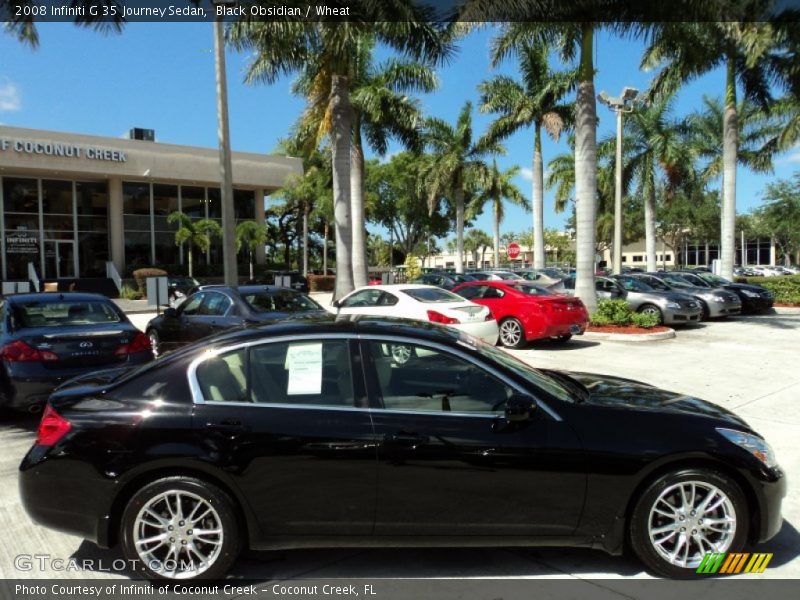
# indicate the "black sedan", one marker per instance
pixel 446 281
pixel 46 339
pixel 214 309
pixel 312 434
pixel 755 298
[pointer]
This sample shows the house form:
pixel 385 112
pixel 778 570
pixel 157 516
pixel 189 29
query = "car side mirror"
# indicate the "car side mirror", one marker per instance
pixel 170 313
pixel 520 408
pixel 336 304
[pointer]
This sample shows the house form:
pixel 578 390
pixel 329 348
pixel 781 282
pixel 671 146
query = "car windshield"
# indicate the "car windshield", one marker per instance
pixel 676 281
pixel 183 281
pixel 532 290
pixel 634 285
pixel 280 302
pixel 714 279
pixel 694 279
pixel 506 276
pixel 431 295
pixel 555 273
pixel 64 313
pixel 458 278
pixel 536 377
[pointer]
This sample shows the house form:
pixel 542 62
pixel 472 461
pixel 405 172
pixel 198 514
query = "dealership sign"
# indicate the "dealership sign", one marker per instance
pixel 22 242
pixel 61 150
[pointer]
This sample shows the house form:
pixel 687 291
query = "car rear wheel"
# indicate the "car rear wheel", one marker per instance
pixel 152 334
pixel 180 528
pixel 652 309
pixel 511 333
pixel 684 515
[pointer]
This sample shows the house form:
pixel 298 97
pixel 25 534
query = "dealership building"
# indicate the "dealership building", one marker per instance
pixel 72 203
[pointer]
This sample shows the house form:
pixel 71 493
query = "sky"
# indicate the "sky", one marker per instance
pixel 161 76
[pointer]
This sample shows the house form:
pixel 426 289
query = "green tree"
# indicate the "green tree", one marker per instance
pixel 495 187
pixel 477 241
pixel 456 163
pixel 23 27
pixel 536 101
pixel 194 233
pixel 781 216
pixel 250 235
pixel 327 56
pixel 690 213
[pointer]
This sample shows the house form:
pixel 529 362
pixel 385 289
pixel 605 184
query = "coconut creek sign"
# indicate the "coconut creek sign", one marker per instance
pixel 58 149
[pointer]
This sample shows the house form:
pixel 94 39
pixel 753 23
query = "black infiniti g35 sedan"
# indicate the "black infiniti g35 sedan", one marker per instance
pixel 365 432
pixel 49 338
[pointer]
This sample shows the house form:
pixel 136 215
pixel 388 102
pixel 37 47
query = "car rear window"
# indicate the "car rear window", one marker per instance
pixel 64 313
pixel 431 295
pixel 280 302
pixel 532 290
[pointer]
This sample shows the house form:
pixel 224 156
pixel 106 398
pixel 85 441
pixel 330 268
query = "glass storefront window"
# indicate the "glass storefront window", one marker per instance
pixel 167 252
pixel 93 254
pixel 92 198
pixel 57 197
pixel 137 249
pixel 193 202
pixel 214 203
pixel 165 202
pixel 136 206
pixel 20 195
pixel 244 205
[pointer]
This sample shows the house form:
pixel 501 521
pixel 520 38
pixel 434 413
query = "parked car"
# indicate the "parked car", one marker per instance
pixel 46 339
pixel 527 312
pixel 671 308
pixel 311 431
pixel 754 298
pixel 297 281
pixel 445 281
pixel 490 275
pixel 714 302
pixel 421 302
pixel 769 271
pixel 605 288
pixel 537 276
pixel 214 309
pixel 179 288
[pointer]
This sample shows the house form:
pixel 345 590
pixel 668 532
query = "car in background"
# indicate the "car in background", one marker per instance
pixel 423 303
pixel 247 442
pixel 527 312
pixel 537 276
pixel 446 281
pixel 605 288
pixel 715 302
pixel 671 308
pixel 494 275
pixel 47 339
pixel 755 298
pixel 180 287
pixel 214 309
pixel 766 271
pixel 297 281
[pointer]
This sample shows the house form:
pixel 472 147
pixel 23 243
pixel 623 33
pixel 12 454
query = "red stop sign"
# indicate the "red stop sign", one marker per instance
pixel 513 250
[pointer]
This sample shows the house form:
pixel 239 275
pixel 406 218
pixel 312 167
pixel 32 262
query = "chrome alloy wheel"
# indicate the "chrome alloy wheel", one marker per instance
pixel 690 519
pixel 510 333
pixel 178 534
pixel 401 354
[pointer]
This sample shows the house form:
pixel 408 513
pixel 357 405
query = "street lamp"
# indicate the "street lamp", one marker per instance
pixel 627 101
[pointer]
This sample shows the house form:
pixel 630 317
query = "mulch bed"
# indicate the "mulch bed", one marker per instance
pixel 785 305
pixel 625 329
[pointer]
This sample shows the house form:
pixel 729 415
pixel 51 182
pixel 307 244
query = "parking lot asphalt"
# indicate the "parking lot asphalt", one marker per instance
pixel 747 364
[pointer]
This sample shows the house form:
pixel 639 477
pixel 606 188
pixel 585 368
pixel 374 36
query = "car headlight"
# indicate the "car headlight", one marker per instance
pixel 752 443
pixel 718 298
pixel 673 305
pixel 750 294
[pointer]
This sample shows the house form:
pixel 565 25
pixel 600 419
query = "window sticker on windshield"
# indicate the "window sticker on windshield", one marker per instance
pixel 304 363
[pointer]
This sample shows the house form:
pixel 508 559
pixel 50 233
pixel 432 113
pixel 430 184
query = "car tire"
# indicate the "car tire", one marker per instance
pixel 669 508
pixel 512 334
pixel 706 313
pixel 170 502
pixel 652 309
pixel 155 342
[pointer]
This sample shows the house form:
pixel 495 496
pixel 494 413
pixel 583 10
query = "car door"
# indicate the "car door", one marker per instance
pixel 177 331
pixel 217 314
pixel 493 298
pixel 288 420
pixel 449 462
pixel 375 302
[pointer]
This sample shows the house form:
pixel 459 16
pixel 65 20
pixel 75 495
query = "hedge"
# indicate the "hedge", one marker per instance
pixel 321 283
pixel 617 312
pixel 785 287
pixel 141 275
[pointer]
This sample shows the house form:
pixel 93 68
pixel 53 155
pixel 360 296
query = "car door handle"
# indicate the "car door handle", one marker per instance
pixel 230 425
pixel 407 439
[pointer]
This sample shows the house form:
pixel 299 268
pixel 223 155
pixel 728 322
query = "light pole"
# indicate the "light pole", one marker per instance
pixel 625 103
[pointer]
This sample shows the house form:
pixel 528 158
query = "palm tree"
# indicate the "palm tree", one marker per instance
pixel 381 108
pixel 455 165
pixel 535 101
pixel 748 53
pixel 251 235
pixel 495 188
pixel 477 240
pixel 326 53
pixel 24 27
pixel 194 233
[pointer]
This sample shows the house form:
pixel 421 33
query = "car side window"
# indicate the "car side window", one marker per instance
pixel 192 305
pixel 416 378
pixel 314 372
pixel 362 298
pixel 223 378
pixel 490 293
pixel 469 292
pixel 387 299
pixel 215 305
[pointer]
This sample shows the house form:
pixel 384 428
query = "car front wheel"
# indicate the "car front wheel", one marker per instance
pixel 180 528
pixel 684 515
pixel 511 333
pixel 652 309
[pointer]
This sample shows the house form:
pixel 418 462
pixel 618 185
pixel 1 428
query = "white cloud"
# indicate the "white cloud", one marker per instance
pixel 10 98
pixel 526 173
pixel 794 157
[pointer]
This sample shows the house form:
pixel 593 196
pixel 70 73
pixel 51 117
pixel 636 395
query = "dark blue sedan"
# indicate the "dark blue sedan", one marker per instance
pixel 46 339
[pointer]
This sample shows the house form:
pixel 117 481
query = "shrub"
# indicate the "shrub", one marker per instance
pixel 413 269
pixel 130 293
pixel 321 283
pixel 786 287
pixel 141 275
pixel 617 312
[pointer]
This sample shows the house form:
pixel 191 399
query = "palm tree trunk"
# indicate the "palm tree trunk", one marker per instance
pixel 459 194
pixel 730 142
pixel 357 208
pixel 650 228
pixel 325 248
pixel 538 201
pixel 341 117
pixel 586 174
pixel 251 264
pixel 496 235
pixel 190 260
pixel 305 238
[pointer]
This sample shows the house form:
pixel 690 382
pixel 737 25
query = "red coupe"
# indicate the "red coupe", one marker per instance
pixel 526 312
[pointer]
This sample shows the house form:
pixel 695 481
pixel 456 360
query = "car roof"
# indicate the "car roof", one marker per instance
pixel 56 297
pixel 244 289
pixel 397 287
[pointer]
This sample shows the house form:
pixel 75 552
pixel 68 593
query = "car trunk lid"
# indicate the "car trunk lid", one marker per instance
pixel 79 347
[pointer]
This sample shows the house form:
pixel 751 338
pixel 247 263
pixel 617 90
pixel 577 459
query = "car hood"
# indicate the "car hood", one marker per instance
pixel 745 286
pixel 618 392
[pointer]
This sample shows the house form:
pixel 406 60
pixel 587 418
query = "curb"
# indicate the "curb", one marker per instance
pixel 629 337
pixel 786 310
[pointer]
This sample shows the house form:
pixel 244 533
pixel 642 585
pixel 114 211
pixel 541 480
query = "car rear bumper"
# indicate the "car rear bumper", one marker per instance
pixel 486 331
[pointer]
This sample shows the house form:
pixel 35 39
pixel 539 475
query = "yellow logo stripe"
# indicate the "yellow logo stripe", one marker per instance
pixel 759 562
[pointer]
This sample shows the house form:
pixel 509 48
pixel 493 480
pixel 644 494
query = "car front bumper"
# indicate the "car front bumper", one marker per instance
pixel 723 309
pixel 486 331
pixel 770 488
pixel 678 316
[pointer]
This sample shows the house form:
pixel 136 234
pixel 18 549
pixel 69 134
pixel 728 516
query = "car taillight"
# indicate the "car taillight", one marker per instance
pixel 140 343
pixel 52 428
pixel 489 316
pixel 19 351
pixel 437 317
